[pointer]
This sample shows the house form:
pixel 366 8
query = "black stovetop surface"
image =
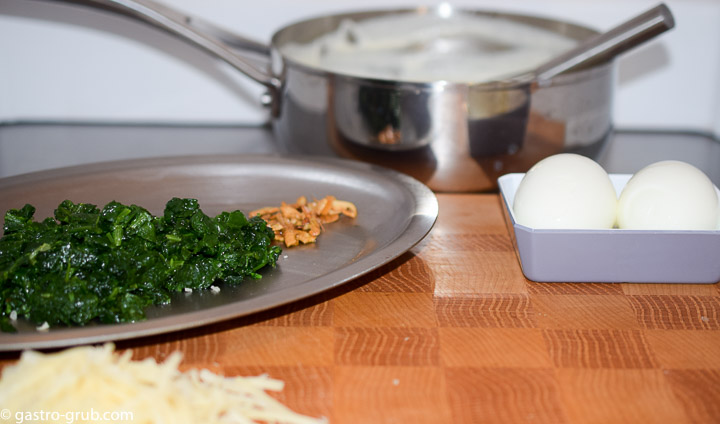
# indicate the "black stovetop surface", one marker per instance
pixel 29 147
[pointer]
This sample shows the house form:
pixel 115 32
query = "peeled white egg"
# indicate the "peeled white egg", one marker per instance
pixel 566 191
pixel 669 195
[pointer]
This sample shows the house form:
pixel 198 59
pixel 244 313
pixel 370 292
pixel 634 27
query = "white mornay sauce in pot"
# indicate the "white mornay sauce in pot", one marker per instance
pixel 463 48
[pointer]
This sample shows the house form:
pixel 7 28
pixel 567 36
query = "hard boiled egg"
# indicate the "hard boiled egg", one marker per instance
pixel 668 195
pixel 566 191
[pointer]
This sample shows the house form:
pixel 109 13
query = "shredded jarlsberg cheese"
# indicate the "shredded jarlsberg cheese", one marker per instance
pixel 99 379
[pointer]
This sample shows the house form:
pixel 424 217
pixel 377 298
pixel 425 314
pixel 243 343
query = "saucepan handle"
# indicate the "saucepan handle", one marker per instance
pixel 214 40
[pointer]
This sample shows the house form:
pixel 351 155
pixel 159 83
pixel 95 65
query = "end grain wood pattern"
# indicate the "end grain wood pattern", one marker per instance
pixel 453 332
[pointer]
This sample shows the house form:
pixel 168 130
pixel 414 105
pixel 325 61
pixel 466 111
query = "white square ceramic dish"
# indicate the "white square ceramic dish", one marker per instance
pixel 636 256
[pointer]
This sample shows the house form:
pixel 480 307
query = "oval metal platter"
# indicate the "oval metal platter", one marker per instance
pixel 395 212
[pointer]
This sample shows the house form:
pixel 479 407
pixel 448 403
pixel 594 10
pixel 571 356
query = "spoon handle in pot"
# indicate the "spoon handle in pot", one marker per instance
pixel 189 29
pixel 611 43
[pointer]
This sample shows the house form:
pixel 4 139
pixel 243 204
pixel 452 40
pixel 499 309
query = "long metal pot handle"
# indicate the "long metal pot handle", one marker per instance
pixel 196 32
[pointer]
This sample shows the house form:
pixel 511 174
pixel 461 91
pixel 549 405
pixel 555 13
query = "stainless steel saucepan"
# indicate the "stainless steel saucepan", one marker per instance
pixel 453 136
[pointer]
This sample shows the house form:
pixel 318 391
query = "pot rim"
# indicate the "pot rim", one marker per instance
pixel 323 24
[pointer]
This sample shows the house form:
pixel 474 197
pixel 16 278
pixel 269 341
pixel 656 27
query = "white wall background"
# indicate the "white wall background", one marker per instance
pixel 61 62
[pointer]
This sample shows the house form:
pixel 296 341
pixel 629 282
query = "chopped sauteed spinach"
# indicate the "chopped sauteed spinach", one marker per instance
pixel 107 265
